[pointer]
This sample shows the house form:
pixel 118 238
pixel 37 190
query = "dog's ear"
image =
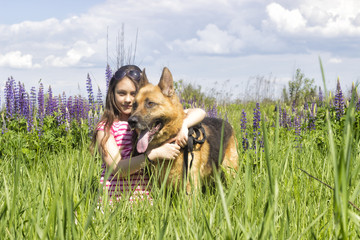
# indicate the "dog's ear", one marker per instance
pixel 143 80
pixel 166 83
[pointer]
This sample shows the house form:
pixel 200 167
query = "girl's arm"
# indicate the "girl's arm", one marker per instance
pixel 131 165
pixel 193 117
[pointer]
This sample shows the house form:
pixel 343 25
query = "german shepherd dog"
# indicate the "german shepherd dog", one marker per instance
pixel 158 115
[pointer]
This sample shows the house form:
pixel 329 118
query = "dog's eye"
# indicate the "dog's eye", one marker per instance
pixel 150 104
pixel 135 105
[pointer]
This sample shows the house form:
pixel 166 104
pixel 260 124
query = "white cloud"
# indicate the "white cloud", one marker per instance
pixel 73 56
pixel 286 20
pixel 17 60
pixel 211 40
pixel 335 60
pixel 314 18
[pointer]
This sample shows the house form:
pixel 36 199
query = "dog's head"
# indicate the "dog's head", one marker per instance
pixel 157 112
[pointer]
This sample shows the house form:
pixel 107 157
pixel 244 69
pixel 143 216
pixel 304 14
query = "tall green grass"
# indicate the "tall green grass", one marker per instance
pixel 56 196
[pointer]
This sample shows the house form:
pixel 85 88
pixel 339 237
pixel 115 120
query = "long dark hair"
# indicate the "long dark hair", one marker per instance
pixel 111 111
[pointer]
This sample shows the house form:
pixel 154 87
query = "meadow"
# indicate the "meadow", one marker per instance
pixel 298 176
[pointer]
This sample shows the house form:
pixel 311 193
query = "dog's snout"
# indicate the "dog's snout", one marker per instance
pixel 133 120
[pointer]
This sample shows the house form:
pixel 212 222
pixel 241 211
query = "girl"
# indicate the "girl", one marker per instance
pixel 114 138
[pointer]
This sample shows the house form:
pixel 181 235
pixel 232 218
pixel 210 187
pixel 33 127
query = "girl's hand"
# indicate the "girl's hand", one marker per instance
pixel 182 137
pixel 167 151
pixel 193 116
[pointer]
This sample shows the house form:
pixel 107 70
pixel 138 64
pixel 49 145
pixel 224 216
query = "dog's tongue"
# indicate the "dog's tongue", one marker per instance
pixel 143 141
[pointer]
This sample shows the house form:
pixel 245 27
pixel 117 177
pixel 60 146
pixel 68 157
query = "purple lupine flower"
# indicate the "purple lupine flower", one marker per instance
pixel 70 109
pixel 16 100
pixel 339 102
pixel 20 100
pixel 293 110
pixel 32 102
pixel 297 126
pixel 212 111
pixel 49 110
pixel 41 100
pixel 62 108
pixel 28 113
pixel 321 97
pixel 76 109
pixel 79 109
pixel 86 109
pixel 41 108
pixel 256 124
pixel 33 97
pixel 22 105
pixel 280 115
pixel 10 98
pixel 99 102
pixel 306 106
pixel 90 91
pixel 284 119
pixel 25 102
pixel 108 76
pixel 245 141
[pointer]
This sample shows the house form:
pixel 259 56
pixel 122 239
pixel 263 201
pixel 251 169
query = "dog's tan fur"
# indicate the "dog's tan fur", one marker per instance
pixel 161 102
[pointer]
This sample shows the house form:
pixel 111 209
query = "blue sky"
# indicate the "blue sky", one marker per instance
pixel 223 46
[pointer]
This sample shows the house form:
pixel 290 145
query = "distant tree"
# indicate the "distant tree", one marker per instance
pixel 285 95
pixel 301 89
pixel 192 94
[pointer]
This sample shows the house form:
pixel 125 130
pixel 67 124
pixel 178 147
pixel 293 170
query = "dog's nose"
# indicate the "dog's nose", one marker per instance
pixel 133 120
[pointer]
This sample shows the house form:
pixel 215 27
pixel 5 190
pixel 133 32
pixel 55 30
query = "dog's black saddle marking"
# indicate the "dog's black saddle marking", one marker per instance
pixel 192 141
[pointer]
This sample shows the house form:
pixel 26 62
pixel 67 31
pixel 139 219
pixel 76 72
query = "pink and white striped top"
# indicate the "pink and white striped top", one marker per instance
pixel 138 183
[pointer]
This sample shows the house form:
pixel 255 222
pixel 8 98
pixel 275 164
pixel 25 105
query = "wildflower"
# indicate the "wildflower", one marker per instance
pixel 339 101
pixel 256 124
pixel 70 110
pixel 321 97
pixel 99 102
pixel 41 107
pixel 245 141
pixel 89 90
pixel 33 96
pixel 28 113
pixel 284 120
pixel 212 111
pixel 293 110
pixel 16 99
pixel 297 125
pixel 49 110
pixel 10 97
pixel 22 101
pixel 108 76
pixel 280 116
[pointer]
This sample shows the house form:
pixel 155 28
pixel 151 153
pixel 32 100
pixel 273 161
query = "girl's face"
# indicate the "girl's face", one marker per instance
pixel 125 92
